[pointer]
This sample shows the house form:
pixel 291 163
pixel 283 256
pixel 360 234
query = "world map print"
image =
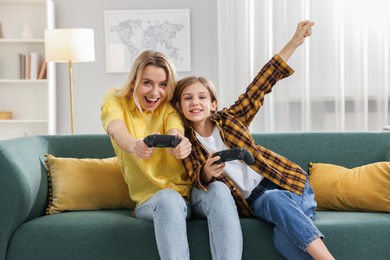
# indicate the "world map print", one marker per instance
pixel 129 37
pixel 155 35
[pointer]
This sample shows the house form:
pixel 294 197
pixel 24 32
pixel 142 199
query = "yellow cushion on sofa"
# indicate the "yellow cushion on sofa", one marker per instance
pixel 364 188
pixel 86 184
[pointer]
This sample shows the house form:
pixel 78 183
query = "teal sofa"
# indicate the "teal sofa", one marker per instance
pixel 27 233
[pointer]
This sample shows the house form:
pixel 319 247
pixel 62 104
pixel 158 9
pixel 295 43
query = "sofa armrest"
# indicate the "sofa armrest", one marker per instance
pixel 23 184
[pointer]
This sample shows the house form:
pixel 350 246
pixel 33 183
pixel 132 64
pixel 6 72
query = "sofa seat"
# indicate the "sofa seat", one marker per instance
pixel 114 234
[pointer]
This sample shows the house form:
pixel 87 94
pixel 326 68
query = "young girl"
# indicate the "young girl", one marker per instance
pixel 273 188
pixel 157 180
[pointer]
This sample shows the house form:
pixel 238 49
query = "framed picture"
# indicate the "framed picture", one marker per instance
pixel 130 32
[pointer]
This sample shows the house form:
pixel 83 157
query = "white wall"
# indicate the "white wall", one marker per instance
pixel 91 79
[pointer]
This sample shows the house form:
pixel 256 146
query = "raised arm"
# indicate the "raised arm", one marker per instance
pixel 303 30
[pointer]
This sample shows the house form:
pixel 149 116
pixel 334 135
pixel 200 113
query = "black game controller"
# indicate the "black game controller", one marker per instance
pixel 235 154
pixel 162 140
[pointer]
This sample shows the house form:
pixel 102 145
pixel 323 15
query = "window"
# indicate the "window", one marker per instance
pixel 341 81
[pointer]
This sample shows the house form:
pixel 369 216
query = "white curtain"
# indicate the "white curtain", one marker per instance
pixel 341 81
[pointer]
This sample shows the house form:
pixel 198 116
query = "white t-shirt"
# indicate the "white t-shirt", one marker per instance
pixel 241 174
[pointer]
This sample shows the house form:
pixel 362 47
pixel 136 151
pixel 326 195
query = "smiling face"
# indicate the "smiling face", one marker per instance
pixel 152 89
pixel 196 104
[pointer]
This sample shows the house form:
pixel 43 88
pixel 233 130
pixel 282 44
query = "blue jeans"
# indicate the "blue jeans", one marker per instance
pixel 218 207
pixel 169 211
pixel 291 214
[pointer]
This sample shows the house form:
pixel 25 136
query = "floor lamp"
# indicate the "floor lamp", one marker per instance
pixel 69 45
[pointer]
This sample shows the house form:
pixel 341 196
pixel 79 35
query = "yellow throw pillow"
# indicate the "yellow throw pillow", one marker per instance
pixel 364 188
pixel 86 184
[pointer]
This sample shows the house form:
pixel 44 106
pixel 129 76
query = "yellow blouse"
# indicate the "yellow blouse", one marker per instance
pixel 145 177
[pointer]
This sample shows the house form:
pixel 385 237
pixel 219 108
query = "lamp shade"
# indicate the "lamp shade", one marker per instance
pixel 64 45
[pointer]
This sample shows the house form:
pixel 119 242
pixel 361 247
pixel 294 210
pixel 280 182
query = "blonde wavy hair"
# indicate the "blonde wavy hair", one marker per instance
pixel 146 58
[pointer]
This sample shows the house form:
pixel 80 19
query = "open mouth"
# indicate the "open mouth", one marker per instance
pixel 196 110
pixel 151 101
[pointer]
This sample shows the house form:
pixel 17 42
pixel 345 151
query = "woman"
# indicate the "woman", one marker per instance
pixel 157 180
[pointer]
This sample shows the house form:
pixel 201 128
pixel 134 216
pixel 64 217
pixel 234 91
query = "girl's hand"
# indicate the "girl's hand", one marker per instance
pixel 303 30
pixel 211 169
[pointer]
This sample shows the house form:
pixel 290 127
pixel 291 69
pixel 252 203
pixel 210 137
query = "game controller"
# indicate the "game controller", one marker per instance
pixel 235 154
pixel 162 140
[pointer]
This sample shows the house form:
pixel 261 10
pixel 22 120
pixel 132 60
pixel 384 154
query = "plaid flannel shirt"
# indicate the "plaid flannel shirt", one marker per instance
pixel 233 125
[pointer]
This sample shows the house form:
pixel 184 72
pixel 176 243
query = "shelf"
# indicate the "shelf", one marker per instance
pixel 21 40
pixel 21 2
pixel 23 81
pixel 31 101
pixel 22 121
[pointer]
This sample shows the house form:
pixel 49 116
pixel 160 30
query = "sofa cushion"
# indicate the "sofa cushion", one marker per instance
pixel 364 188
pixel 114 234
pixel 86 184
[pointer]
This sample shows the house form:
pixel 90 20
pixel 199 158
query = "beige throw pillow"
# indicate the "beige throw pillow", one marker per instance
pixel 86 184
pixel 364 188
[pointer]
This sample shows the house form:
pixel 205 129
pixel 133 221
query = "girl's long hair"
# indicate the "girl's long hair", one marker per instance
pixel 188 81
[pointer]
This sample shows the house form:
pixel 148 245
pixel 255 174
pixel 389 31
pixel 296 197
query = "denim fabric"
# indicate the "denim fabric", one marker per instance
pixel 218 206
pixel 169 211
pixel 292 216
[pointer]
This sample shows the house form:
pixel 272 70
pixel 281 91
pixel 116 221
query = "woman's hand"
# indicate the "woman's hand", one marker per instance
pixel 183 149
pixel 118 131
pixel 141 150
